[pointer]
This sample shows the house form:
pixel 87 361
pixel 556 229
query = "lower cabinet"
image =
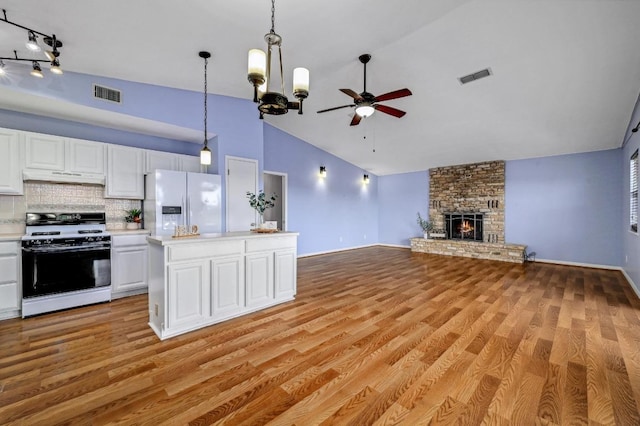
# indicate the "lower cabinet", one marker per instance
pixel 259 270
pixel 202 282
pixel 189 292
pixel 128 265
pixel 10 280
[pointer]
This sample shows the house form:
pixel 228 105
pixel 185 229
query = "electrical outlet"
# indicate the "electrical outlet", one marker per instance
pixel 156 309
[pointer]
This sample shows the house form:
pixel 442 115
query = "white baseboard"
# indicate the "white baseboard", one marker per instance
pixel 318 253
pixel 631 283
pixel 394 245
pixel 582 265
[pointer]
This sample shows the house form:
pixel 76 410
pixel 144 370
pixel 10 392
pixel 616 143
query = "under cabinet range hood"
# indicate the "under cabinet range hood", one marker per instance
pixel 64 177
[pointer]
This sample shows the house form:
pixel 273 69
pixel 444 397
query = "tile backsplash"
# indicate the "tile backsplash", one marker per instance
pixel 58 197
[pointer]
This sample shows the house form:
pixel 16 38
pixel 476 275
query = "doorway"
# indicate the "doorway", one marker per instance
pixel 276 183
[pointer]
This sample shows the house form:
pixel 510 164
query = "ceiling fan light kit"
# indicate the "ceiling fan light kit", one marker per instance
pixel 260 76
pixel 366 103
pixel 33 46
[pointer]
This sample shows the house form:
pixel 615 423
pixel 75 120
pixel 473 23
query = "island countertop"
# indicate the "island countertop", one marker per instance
pixel 166 240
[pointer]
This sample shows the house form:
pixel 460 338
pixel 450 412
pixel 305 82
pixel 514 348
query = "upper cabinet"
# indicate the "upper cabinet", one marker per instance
pixel 44 152
pixel 158 160
pixel 64 158
pixel 189 163
pixel 125 172
pixel 85 156
pixel 10 162
pixel 155 160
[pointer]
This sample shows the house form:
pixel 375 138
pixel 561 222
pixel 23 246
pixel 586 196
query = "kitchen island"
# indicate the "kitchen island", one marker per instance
pixel 199 281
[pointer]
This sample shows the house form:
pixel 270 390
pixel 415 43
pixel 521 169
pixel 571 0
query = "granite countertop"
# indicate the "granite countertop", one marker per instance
pixel 129 231
pixel 11 237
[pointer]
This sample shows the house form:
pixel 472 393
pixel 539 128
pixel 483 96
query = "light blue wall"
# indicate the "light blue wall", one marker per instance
pixel 330 213
pixel 567 207
pixel 630 240
pixel 400 198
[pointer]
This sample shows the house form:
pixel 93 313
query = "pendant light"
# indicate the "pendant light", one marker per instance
pixel 259 75
pixel 205 152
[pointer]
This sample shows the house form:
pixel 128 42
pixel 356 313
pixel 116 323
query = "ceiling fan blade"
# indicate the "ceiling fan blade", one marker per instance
pixel 351 93
pixel 393 95
pixel 389 110
pixel 334 108
pixel 355 120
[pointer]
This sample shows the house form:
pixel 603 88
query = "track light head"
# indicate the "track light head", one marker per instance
pixel 36 71
pixel 32 43
pixel 2 70
pixel 55 67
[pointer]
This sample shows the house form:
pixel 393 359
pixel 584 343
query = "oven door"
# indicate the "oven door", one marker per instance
pixel 60 270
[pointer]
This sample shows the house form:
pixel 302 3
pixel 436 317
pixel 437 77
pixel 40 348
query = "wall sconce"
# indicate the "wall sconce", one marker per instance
pixel 323 171
pixel 365 179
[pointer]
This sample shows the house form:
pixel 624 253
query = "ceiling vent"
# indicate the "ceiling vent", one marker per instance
pixel 475 76
pixel 107 94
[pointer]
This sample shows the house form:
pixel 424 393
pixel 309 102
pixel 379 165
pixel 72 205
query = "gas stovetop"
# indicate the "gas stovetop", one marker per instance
pixel 66 226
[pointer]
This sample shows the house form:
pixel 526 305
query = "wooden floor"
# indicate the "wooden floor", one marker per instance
pixel 375 336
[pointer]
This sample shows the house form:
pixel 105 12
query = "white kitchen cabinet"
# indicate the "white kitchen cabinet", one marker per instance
pixel 44 152
pixel 56 158
pixel 10 163
pixel 189 163
pixel 189 293
pixel 10 280
pixel 125 172
pixel 227 286
pixel 158 160
pixel 197 282
pixel 285 273
pixel 128 265
pixel 259 275
pixel 85 156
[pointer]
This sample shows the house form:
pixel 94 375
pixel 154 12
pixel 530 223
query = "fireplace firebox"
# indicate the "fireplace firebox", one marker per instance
pixel 464 226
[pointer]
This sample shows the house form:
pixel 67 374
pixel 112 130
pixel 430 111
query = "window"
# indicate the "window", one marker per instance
pixel 633 192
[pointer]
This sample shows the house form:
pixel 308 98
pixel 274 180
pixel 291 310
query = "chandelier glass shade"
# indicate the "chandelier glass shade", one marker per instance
pixel 260 75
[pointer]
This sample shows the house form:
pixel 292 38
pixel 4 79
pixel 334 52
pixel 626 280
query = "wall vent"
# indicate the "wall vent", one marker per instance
pixel 107 94
pixel 475 76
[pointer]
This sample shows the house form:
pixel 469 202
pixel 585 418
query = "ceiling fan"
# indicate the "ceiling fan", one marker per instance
pixel 366 103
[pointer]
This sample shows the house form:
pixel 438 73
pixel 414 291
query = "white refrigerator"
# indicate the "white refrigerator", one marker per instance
pixel 180 198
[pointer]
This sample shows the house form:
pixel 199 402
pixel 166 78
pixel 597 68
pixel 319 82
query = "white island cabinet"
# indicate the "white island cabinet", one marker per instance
pixel 196 282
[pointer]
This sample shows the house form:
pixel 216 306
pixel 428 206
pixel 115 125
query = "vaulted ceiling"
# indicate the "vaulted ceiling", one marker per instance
pixel 565 73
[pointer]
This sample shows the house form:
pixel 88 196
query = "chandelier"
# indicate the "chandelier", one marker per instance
pixel 33 46
pixel 259 74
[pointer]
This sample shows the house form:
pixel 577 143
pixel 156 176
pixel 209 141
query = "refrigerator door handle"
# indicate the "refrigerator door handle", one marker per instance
pixel 187 217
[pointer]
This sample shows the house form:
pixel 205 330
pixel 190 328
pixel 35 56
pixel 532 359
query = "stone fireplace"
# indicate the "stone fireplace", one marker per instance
pixel 466 202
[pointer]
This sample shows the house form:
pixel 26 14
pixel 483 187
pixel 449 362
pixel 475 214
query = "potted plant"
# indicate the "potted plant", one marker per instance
pixel 133 218
pixel 426 225
pixel 261 203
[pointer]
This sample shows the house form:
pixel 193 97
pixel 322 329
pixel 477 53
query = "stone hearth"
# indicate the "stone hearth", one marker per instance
pixel 492 251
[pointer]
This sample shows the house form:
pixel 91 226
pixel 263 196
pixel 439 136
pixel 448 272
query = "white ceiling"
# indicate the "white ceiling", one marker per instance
pixel 566 73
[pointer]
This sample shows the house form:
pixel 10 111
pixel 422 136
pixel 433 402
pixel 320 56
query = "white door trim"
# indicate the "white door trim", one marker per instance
pixel 285 189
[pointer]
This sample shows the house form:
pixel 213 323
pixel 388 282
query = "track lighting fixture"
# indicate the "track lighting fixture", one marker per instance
pixel 271 101
pixel 205 152
pixel 36 71
pixel 32 43
pixel 55 67
pixel 33 46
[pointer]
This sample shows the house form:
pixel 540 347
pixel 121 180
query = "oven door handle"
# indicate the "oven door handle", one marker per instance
pixel 70 249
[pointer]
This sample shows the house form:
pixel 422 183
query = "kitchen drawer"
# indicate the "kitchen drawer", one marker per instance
pixel 203 250
pixel 269 244
pixel 8 248
pixel 129 240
